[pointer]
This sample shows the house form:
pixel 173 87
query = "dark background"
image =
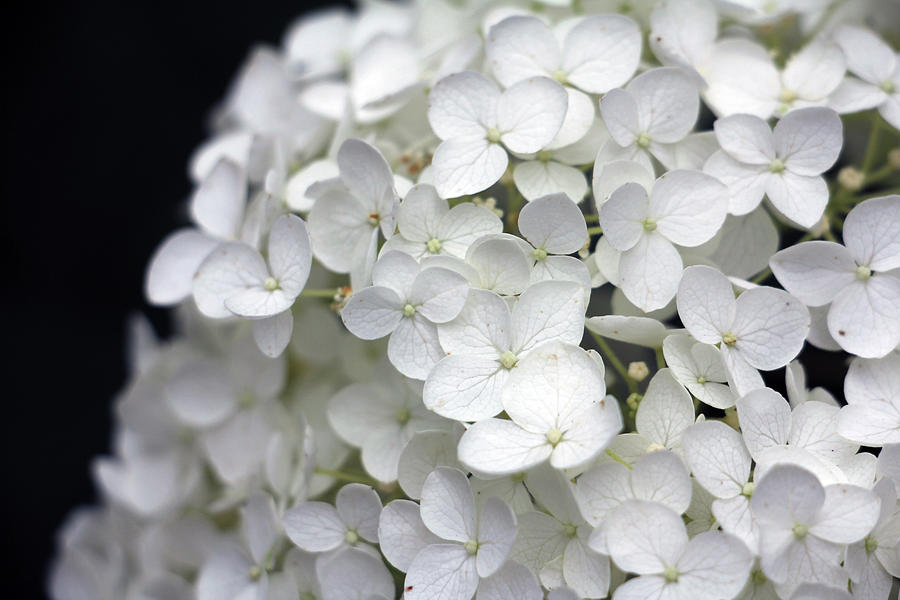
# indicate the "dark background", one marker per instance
pixel 103 104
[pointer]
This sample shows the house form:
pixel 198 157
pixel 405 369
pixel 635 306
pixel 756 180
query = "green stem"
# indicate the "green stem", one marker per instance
pixel 660 358
pixel 595 230
pixel 348 477
pixel 872 147
pixel 319 293
pixel 617 364
pixel 762 276
pixel 514 202
pixel 618 459
pixel 880 174
pixel 591 218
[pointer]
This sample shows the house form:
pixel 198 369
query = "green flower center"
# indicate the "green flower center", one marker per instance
pixel 888 86
pixel 471 546
pixel 560 76
pixel 255 572
pixel 800 530
pixel 643 140
pixel 671 574
pixel 493 135
pixel 871 545
pixel 729 339
pixel 408 310
pixel 351 537
pixel 271 284
pixel 508 360
pixel 863 272
pixel 777 166
pixel 701 379
pixel 569 530
pixel 433 245
pixel 554 436
pixel 747 489
pixel 540 254
pixel 649 225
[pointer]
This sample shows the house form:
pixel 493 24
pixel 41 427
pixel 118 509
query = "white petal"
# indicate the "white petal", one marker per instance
pixel 641 331
pixel 688 207
pixel 579 119
pixel 359 508
pixel 170 275
pixel 467 165
pixel 237 447
pixel 530 114
pixel 402 534
pixel 420 213
pixel 365 172
pixel 650 272
pixel 441 572
pixel 718 458
pixel 662 477
pixel 496 532
pixel 706 303
pixel 765 418
pixel 481 328
pixel 553 223
pixel 464 224
pixel 746 183
pixel 273 334
pixel 714 563
pixel 588 432
pixel 465 388
pixel 746 138
pixel 463 105
pixel 742 79
pixel 289 256
pixel 742 377
pixel 609 177
pixel 536 178
pixel 665 411
pixel 682 32
pixel 337 229
pixel 447 506
pixel 814 271
pixel 809 140
pixel 231 269
pixel 872 233
pixel 849 514
pixel 200 393
pixel 623 215
pixel 425 451
pixel 601 52
pixel 867 55
pixel 520 47
pixel 787 495
pixel 548 310
pixel 620 114
pixel 645 537
pixel 500 447
pixel 584 570
pixel 815 71
pixel 513 580
pixel 314 526
pixel 297 186
pixel 373 313
pixel 439 294
pixel 501 264
pixel 770 327
pixel 218 203
pixel 668 103
pixel 414 347
pixel 863 316
pixel 354 574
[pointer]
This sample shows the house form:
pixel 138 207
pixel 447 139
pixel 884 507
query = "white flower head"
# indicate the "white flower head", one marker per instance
pixel 556 400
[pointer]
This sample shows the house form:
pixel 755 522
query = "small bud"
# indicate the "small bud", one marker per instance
pixel 638 370
pixel 851 178
pixel 894 159
pixel 633 400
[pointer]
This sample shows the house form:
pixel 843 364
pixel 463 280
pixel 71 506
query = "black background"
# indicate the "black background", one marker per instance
pixel 102 106
pixel 103 103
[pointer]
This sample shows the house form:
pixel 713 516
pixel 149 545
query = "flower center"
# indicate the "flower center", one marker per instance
pixel 649 225
pixel 777 166
pixel 471 546
pixel 643 140
pixel 554 436
pixel 863 272
pixel 800 530
pixel 545 155
pixel 871 545
pixel 560 76
pixel 671 574
pixel 540 254
pixel 493 135
pixel 508 360
pixel 729 339
pixel 255 572
pixel 701 379
pixel 271 284
pixel 569 530
pixel 374 219
pixel 351 537
pixel 747 489
pixel 408 310
pixel 888 86
pixel 433 245
pixel 787 95
pixel 402 415
pixel 758 577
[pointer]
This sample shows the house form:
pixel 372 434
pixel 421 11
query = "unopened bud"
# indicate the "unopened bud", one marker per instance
pixel 633 400
pixel 851 178
pixel 894 159
pixel 638 370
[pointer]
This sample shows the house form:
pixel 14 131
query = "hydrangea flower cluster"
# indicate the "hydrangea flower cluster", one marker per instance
pixel 415 232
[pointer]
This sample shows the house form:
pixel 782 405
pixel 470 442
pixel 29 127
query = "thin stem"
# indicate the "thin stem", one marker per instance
pixel 348 477
pixel 872 148
pixel 595 230
pixel 880 174
pixel 319 293
pixel 618 459
pixel 615 362
pixel 591 218
pixel 762 276
pixel 660 358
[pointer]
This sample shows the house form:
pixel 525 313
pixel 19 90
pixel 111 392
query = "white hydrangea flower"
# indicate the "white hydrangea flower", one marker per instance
pixel 856 278
pixel 649 539
pixel 354 574
pixel 871 416
pixel 346 218
pixel 568 432
pixel 554 226
pixel 428 226
pixel 684 208
pixel 664 413
pixel 406 302
pixel 876 70
pixel 873 561
pixel 803 526
pixel 763 328
pixel 487 340
pixel 699 368
pixel 321 527
pixel 785 164
pixel 478 124
pixel 472 546
pixel 645 118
